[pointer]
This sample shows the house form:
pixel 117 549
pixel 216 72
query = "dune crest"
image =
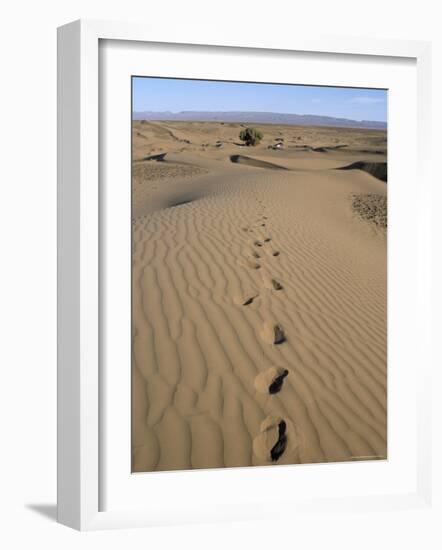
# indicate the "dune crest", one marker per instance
pixel 256 163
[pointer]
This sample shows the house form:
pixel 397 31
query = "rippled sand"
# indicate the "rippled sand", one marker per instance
pixel 242 272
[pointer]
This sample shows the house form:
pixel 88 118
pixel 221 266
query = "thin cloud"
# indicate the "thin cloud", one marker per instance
pixel 365 100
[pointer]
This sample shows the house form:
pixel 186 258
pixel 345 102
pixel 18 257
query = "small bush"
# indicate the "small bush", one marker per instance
pixel 251 136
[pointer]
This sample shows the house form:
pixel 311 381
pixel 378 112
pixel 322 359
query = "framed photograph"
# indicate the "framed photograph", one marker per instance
pixel 244 276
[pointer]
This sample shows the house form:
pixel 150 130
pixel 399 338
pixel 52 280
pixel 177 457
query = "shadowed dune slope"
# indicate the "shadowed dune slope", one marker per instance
pixel 249 161
pixel 376 169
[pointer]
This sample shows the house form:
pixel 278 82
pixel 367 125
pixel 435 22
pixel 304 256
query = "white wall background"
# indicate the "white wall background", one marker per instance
pixel 28 276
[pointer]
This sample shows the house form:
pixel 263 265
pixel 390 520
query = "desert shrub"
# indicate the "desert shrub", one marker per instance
pixel 251 136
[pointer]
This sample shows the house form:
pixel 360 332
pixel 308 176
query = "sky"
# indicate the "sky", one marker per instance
pixel 168 94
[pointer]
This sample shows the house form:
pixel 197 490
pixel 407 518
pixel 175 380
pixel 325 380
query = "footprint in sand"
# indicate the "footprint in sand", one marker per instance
pixel 273 333
pixel 271 284
pixel 267 239
pixel 271 380
pixel 251 264
pixel 276 285
pixel 258 243
pixel 245 299
pixel 276 437
pixel 255 254
pixel 276 253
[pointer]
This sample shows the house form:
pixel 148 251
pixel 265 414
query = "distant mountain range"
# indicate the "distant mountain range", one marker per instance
pixel 259 117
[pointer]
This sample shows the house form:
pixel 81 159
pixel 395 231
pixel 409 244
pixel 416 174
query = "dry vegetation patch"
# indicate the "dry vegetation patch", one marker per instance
pixel 371 207
pixel 154 170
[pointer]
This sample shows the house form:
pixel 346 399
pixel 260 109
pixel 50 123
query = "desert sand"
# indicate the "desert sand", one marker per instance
pixel 259 296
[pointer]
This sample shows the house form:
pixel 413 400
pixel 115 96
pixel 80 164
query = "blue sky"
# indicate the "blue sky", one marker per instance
pixel 167 94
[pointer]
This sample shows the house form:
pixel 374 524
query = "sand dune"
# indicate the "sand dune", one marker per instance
pixel 241 273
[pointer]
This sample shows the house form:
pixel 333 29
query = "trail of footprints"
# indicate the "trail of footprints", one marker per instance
pixel 276 435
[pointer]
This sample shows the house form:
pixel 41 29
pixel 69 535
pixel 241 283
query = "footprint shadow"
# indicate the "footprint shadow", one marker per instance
pixel 273 333
pixel 270 381
pixel 276 437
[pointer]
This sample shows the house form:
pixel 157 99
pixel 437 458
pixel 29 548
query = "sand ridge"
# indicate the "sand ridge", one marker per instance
pixel 239 269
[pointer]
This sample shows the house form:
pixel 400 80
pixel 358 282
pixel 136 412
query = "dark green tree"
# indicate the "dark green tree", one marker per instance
pixel 251 136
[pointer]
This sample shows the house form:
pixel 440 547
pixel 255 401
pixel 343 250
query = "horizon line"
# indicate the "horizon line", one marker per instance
pixel 264 112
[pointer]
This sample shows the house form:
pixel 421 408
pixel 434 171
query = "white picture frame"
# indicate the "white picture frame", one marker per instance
pixel 80 368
